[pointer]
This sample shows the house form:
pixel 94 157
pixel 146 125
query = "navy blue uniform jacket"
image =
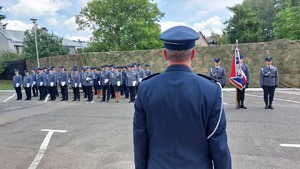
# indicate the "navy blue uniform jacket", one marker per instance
pixel 175 113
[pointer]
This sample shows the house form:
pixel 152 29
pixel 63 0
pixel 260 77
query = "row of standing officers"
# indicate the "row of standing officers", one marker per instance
pixel 109 81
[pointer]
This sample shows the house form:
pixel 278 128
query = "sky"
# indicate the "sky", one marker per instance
pixel 58 16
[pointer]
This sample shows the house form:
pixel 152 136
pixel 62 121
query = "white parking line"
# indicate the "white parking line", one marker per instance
pixel 286 100
pixel 43 147
pixel 290 145
pixel 9 98
pixel 292 101
pixel 46 99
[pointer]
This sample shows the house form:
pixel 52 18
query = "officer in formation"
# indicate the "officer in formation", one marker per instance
pixel 124 89
pixel 106 76
pixel 89 81
pixel 17 80
pixel 51 83
pixel 148 71
pixel 63 78
pixel 41 83
pixel 269 80
pixel 34 86
pixel 116 81
pixel 241 93
pixel 119 78
pixel 179 124
pixel 27 83
pixel 132 79
pixel 218 72
pixel 97 82
pixel 74 82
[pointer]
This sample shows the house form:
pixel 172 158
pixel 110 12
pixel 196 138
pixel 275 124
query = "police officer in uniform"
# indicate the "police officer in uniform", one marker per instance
pixel 41 83
pixel 241 93
pixel 89 79
pixel 51 84
pixel 218 72
pixel 132 79
pixel 124 89
pixel 106 76
pixel 179 124
pixel 269 81
pixel 17 79
pixel 27 83
pixel 33 79
pixel 75 81
pixel 63 82
pixel 148 71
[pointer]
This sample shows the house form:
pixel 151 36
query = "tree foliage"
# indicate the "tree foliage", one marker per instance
pixel 264 20
pixel 120 25
pixel 6 57
pixel 1 15
pixel 48 44
pixel 245 25
pixel 287 24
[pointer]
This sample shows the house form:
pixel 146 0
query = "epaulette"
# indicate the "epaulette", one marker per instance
pixel 208 78
pixel 148 77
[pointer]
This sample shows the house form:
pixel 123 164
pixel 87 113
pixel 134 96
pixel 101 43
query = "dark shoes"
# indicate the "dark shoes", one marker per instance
pixel 266 107
pixel 271 107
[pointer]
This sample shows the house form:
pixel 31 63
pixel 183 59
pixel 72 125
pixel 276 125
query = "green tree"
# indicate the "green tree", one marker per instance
pixel 287 24
pixel 6 57
pixel 1 18
pixel 48 44
pixel 245 25
pixel 120 25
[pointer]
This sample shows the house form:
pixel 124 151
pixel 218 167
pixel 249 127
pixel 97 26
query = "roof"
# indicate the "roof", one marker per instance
pixel 18 37
pixel 13 35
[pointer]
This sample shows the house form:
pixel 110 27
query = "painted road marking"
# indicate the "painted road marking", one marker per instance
pixel 9 98
pixel 47 98
pixel 43 147
pixel 290 145
pixel 292 101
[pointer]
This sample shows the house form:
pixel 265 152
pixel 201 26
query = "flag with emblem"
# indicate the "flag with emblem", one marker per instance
pixel 237 76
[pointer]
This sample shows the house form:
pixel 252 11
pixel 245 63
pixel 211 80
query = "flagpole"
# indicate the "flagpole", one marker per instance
pixel 236 89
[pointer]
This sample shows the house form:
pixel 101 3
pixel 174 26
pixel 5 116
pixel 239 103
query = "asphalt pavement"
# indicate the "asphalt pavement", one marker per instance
pixel 79 135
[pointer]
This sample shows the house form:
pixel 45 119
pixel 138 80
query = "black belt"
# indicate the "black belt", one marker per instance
pixel 270 76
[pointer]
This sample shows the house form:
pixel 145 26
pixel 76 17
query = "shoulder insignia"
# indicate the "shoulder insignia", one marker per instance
pixel 148 77
pixel 208 78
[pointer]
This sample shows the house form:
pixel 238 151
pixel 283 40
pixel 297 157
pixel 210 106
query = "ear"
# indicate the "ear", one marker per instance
pixel 165 54
pixel 193 54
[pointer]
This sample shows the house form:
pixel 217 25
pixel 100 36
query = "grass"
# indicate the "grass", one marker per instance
pixel 6 85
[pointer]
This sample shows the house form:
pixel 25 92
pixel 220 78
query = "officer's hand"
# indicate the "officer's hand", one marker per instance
pixel 247 85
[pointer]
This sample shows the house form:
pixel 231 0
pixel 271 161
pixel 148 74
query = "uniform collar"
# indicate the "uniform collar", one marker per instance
pixel 178 68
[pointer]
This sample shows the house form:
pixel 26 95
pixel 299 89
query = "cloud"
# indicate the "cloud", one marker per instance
pixel 83 3
pixel 169 24
pixel 52 21
pixel 74 37
pixel 71 24
pixel 211 25
pixel 35 8
pixel 17 25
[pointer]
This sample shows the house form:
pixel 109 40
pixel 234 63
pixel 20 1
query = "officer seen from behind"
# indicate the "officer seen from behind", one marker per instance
pixel 179 120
